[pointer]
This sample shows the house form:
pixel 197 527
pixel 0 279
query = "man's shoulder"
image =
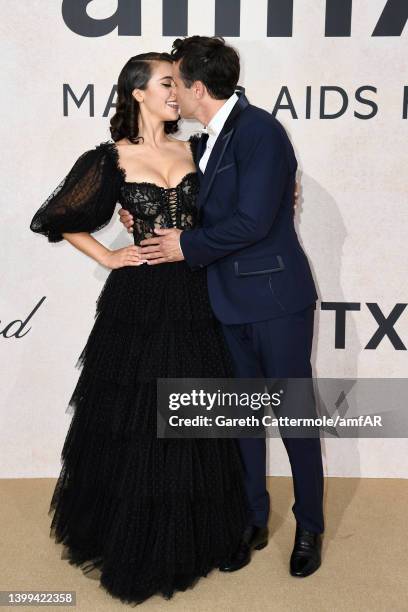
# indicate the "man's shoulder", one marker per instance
pixel 257 117
pixel 257 123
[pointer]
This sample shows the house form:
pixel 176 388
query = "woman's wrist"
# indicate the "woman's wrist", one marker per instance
pixel 104 256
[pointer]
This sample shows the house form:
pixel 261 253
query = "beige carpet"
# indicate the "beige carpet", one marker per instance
pixel 365 555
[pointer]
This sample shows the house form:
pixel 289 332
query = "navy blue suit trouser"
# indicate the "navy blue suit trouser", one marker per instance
pixel 279 347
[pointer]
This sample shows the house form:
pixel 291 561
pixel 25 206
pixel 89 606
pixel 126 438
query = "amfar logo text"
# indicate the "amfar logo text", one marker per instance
pixel 127 18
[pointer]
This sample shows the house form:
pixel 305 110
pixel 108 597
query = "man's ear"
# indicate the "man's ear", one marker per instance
pixel 199 89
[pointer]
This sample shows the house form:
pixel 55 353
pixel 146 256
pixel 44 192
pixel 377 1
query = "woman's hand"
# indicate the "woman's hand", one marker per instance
pixel 126 218
pixel 126 256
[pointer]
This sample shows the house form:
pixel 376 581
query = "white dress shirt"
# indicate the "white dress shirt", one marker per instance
pixel 214 128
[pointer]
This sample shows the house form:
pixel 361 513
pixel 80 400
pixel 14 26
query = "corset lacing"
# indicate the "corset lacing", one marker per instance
pixel 172 202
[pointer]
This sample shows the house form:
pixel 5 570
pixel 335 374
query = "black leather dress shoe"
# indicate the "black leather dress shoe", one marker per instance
pixel 306 554
pixel 253 537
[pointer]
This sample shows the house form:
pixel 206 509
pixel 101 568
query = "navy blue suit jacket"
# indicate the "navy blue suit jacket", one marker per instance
pixel 256 268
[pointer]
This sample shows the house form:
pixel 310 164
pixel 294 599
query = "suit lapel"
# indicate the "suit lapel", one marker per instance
pixel 213 163
pixel 219 149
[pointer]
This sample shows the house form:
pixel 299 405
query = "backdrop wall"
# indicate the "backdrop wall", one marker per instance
pixel 335 75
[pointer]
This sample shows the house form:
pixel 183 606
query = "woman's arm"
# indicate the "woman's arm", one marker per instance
pixel 82 203
pixel 87 244
pixel 85 199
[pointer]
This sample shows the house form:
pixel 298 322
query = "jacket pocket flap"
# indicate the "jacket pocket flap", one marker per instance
pixel 263 265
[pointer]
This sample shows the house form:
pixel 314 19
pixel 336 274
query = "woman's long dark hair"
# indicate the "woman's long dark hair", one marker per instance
pixel 135 74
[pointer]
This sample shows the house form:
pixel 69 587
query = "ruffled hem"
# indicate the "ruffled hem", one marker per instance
pixel 147 544
pixel 148 515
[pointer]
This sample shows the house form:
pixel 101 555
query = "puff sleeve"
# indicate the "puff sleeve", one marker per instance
pixel 85 199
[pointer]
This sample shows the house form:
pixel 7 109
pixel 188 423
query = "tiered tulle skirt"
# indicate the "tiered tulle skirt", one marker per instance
pixel 149 515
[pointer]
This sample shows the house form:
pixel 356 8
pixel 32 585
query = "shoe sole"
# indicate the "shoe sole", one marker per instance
pixel 305 575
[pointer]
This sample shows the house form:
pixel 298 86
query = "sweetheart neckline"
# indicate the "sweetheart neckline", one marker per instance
pixel 159 186
pixel 123 173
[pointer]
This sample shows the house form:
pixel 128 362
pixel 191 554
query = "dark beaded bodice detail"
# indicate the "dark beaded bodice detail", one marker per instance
pixel 153 206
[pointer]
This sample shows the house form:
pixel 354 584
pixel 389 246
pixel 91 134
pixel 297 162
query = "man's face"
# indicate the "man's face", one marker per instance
pixel 185 97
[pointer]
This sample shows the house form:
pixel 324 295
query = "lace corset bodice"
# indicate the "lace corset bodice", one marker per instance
pixel 86 198
pixel 153 206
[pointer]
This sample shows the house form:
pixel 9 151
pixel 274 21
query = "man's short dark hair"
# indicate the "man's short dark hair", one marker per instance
pixel 210 60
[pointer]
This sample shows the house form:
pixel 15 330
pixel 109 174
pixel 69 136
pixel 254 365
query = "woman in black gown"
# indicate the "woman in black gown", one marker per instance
pixel 151 515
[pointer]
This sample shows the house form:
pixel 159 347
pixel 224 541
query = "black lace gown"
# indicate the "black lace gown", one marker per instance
pixel 149 515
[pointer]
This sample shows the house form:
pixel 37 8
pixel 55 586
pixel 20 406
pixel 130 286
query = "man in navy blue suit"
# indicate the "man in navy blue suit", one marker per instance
pixel 259 280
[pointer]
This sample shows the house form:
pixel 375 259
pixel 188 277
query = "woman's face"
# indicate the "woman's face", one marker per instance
pixel 159 98
pixel 186 97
